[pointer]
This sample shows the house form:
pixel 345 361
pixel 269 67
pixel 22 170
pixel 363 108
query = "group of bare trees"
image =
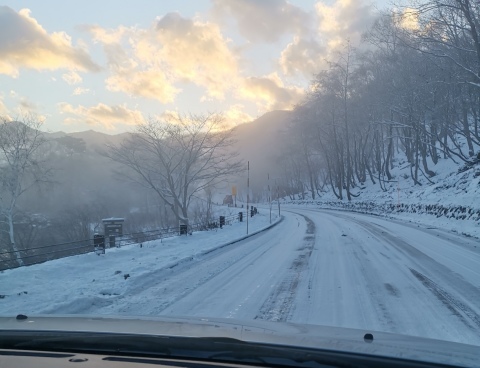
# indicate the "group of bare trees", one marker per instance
pixel 165 166
pixel 412 87
pixel 178 158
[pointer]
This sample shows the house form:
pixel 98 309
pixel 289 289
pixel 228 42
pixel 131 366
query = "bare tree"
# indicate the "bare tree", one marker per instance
pixel 179 157
pixel 21 168
pixel 449 32
pixel 450 29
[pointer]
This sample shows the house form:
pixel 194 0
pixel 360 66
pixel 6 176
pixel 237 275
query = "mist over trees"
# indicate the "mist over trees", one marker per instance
pixel 163 174
pixel 413 87
pixel 56 189
pixel 179 158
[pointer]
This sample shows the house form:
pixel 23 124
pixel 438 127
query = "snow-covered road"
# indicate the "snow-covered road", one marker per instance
pixel 370 273
pixel 337 269
pixel 348 270
pixel 319 267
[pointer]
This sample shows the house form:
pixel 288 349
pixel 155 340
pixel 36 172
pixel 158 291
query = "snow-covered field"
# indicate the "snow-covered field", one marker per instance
pixel 315 266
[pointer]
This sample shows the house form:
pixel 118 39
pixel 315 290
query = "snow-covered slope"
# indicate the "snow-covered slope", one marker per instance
pixel 452 201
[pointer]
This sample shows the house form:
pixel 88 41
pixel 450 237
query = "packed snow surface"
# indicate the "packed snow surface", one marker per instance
pixel 315 266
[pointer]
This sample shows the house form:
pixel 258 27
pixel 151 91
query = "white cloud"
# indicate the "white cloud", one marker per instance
pixel 20 106
pixel 195 51
pixel 130 74
pixel 338 22
pixel 263 21
pixel 103 115
pixel 106 36
pixel 80 91
pixel 27 106
pixel 236 115
pixel 152 62
pixel 28 45
pixel 344 20
pixel 270 93
pixel 72 77
pixel 151 83
pixel 303 57
pixel 168 115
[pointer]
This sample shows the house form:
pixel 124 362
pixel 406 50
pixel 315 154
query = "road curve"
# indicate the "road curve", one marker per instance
pixel 331 268
pixel 372 273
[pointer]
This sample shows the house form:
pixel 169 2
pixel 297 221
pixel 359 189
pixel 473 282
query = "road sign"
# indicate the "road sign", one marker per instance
pixel 113 226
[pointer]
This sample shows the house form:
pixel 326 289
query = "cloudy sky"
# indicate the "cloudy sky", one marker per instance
pixel 108 64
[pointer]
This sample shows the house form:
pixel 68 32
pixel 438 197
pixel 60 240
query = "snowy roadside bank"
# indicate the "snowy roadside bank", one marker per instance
pixel 462 220
pixel 92 279
pixel 452 202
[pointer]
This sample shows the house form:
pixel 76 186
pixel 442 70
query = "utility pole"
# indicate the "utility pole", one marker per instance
pixel 248 189
pixel 269 197
pixel 398 193
pixel 278 199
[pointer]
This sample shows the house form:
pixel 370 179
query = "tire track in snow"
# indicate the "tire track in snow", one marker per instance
pixel 165 281
pixel 358 260
pixel 279 304
pixel 369 273
pixel 175 291
pixel 454 281
pixel 455 306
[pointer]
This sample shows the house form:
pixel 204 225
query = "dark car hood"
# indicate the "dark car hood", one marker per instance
pixel 291 334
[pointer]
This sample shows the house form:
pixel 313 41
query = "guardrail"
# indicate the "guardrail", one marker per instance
pixel 46 253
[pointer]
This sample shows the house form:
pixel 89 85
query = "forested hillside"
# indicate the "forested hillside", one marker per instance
pixel 410 91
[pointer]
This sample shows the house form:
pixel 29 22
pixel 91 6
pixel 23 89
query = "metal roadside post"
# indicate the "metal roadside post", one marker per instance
pixel 278 199
pixel 183 229
pixel 248 189
pixel 99 244
pixel 222 221
pixel 269 197
pixel 234 194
